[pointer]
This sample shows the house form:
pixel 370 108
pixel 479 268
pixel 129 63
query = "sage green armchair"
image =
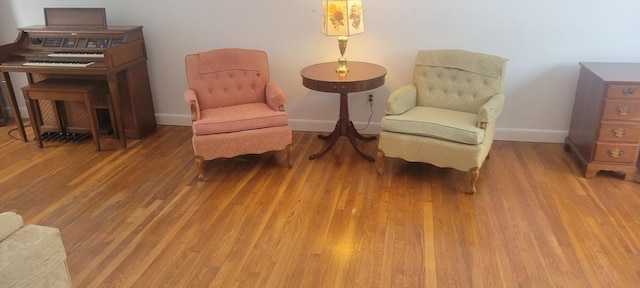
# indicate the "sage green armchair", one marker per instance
pixel 447 116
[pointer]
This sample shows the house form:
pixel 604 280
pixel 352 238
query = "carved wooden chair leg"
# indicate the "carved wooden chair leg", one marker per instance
pixel 200 166
pixel 289 149
pixel 380 160
pixel 474 173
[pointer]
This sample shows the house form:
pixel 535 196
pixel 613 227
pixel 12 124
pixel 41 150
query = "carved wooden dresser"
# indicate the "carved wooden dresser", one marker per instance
pixel 605 124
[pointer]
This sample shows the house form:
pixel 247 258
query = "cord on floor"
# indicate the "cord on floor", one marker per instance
pixel 16 129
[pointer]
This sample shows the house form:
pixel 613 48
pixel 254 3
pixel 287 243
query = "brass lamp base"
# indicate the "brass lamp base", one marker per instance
pixel 342 62
pixel 342 66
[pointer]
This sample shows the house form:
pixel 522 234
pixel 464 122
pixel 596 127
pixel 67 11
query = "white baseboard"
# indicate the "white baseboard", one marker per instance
pixel 506 134
pixel 328 126
pixel 173 119
pixel 296 124
pixel 530 135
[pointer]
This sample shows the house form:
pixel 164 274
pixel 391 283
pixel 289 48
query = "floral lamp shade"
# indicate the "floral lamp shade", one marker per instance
pixel 342 17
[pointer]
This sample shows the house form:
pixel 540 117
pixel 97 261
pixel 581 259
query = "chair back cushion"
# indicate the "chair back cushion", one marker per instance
pixel 456 79
pixel 227 77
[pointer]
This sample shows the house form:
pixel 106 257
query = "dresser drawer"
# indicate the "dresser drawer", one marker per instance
pixel 619 132
pixel 623 91
pixel 621 110
pixel 616 152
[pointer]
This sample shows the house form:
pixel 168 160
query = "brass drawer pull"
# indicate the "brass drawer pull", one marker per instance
pixel 619 132
pixel 615 152
pixel 623 110
pixel 627 91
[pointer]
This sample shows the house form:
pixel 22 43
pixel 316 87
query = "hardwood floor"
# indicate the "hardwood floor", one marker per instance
pixel 138 217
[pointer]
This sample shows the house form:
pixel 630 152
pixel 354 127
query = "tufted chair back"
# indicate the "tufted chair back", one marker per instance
pixel 228 77
pixel 456 79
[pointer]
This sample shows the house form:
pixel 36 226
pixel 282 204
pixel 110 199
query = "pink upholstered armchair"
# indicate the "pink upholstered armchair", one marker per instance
pixel 235 109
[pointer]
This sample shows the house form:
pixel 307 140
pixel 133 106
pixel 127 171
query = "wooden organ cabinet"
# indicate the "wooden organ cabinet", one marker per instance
pixel 76 44
pixel 605 123
pixel 3 117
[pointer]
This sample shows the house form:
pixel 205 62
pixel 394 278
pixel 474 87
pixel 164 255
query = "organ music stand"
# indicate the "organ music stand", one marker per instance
pixel 75 18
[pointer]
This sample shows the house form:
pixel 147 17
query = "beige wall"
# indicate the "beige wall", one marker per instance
pixel 543 39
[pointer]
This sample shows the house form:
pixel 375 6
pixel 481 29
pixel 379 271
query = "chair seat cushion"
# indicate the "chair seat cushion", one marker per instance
pixel 238 118
pixel 437 123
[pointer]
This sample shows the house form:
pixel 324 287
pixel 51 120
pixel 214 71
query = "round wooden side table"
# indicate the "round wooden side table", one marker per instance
pixel 362 76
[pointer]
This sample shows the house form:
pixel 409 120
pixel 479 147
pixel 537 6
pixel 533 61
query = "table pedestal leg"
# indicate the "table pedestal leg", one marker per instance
pixel 344 127
pixel 352 135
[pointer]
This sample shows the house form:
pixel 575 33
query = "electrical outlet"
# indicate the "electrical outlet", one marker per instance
pixel 370 99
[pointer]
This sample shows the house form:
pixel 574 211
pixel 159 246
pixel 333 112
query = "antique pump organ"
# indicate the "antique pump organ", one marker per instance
pixel 77 45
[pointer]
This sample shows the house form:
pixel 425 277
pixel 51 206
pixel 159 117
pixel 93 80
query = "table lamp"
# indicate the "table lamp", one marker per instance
pixel 342 18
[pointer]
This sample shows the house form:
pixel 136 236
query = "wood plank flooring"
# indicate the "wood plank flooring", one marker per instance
pixel 138 217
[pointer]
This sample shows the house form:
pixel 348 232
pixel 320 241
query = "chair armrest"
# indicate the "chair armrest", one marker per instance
pixel 191 98
pixel 34 256
pixel 10 222
pixel 401 100
pixel 490 111
pixel 275 96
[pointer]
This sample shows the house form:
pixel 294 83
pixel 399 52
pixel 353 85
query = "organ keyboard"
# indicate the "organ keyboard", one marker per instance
pixel 114 54
pixel 71 54
pixel 49 63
